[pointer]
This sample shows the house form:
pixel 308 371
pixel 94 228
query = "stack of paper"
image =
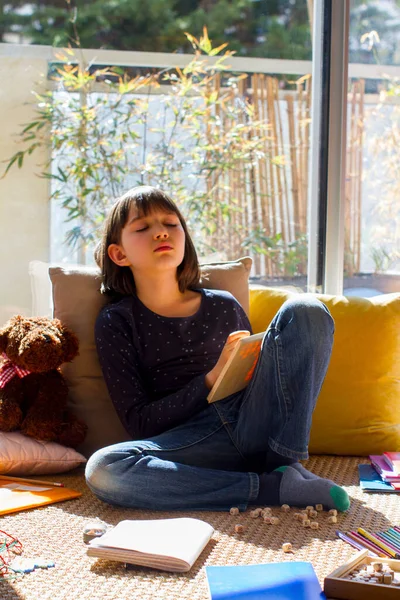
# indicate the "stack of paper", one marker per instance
pixel 379 476
pixel 383 474
pixel 166 544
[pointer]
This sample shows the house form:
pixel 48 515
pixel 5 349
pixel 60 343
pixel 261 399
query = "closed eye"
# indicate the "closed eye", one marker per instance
pixel 166 225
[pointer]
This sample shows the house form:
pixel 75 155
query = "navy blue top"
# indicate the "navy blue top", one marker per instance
pixel 155 366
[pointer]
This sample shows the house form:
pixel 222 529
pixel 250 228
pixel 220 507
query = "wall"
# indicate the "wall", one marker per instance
pixel 24 214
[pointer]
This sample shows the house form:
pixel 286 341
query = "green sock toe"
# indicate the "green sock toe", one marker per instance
pixel 281 469
pixel 298 490
pixel 340 498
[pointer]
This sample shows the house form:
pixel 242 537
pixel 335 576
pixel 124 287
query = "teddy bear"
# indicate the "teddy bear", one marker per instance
pixel 33 391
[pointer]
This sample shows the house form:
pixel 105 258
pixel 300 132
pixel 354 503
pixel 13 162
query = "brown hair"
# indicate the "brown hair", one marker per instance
pixel 119 281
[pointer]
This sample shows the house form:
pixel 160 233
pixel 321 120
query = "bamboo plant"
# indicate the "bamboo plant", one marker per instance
pixel 106 131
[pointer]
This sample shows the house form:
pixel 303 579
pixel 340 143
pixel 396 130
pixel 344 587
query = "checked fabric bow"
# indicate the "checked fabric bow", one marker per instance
pixel 8 370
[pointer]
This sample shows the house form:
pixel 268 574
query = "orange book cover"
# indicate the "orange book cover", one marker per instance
pixel 16 496
pixel 239 369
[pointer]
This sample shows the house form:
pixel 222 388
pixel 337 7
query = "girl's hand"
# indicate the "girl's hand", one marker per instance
pixel 230 345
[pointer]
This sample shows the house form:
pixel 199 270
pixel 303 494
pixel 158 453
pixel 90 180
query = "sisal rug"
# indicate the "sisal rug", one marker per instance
pixel 55 533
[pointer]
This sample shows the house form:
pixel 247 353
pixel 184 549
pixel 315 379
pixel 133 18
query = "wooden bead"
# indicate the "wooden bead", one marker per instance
pixel 370 570
pixel 287 547
pixel 312 514
pixel 332 519
pixel 274 520
pixel 314 524
pixel 306 522
pixel 239 528
pixel 267 519
pixel 333 512
pixel 255 513
pixel 234 510
pixel 319 507
pixel 285 508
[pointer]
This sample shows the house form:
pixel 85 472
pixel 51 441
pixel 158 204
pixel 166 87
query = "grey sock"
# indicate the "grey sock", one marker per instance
pixel 303 471
pixel 296 490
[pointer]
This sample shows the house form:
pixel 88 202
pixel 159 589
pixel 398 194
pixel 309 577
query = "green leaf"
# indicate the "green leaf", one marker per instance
pixel 30 126
pixel 12 160
pixel 64 177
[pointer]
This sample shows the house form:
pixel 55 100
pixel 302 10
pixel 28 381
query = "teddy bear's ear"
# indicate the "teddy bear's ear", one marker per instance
pixel 4 331
pixel 70 344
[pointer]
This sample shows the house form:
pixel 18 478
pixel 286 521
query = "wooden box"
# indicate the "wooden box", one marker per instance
pixel 337 587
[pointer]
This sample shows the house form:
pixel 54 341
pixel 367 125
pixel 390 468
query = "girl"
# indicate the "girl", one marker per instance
pixel 162 342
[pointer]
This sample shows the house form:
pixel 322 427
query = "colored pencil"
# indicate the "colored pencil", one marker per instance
pixel 390 540
pixel 25 480
pixel 367 544
pixel 378 542
pixel 394 533
pixel 377 548
pixel 387 540
pixel 394 540
pixel 350 541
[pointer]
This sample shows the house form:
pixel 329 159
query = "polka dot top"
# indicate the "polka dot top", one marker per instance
pixel 155 366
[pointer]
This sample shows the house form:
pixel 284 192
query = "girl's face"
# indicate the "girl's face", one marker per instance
pixel 151 243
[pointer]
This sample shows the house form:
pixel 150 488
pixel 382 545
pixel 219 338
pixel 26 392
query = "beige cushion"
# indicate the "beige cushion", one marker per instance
pixel 77 302
pixel 22 455
pixel 232 276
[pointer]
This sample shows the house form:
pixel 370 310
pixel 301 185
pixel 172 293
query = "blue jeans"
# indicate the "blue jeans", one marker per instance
pixel 211 461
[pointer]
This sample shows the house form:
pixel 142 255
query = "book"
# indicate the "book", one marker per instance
pixel 278 581
pixel 382 467
pixel 239 368
pixel 370 480
pixel 393 460
pixel 165 544
pixel 15 496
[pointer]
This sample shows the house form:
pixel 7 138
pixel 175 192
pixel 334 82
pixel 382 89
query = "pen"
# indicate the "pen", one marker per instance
pixel 25 480
pixel 378 542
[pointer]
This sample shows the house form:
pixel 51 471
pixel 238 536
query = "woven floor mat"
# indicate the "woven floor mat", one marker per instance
pixel 55 533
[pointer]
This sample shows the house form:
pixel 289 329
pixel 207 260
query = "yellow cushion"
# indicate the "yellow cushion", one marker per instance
pixel 358 409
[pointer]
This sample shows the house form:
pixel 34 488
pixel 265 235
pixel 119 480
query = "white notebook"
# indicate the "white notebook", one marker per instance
pixel 166 544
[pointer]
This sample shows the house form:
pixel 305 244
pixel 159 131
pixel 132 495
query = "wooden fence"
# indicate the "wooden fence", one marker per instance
pixel 269 200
